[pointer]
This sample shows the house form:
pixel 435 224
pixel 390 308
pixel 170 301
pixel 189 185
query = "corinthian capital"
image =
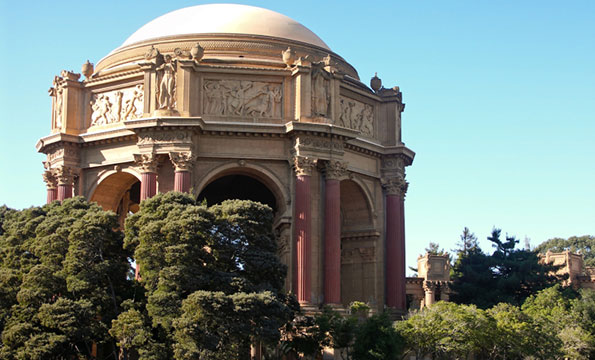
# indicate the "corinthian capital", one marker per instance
pixel 147 163
pixel 183 161
pixel 303 165
pixel 64 175
pixel 50 179
pixel 334 169
pixel 395 185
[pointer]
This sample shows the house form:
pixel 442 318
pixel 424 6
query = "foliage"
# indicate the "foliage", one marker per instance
pixel 467 244
pixel 212 279
pixel 63 272
pixel 584 244
pixel 434 249
pixel 508 275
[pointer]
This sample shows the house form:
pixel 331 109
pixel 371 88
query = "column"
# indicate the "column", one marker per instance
pixel 333 171
pixel 147 164
pixel 429 289
pixel 52 185
pixel 302 217
pixel 183 162
pixel 65 177
pixel 395 189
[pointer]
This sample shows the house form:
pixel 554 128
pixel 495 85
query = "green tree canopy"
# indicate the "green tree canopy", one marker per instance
pixel 584 244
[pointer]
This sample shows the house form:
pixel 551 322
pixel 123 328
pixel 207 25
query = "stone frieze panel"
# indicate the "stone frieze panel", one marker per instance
pixel 117 106
pixel 356 115
pixel 243 98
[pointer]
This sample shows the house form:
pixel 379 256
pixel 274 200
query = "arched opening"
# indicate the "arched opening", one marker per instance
pixel 358 245
pixel 238 186
pixel 119 192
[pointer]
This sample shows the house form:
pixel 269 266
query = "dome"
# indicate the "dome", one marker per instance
pixel 224 19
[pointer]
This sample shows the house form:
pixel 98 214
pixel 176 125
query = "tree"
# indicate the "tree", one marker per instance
pixel 434 249
pixel 508 275
pixel 584 244
pixel 66 273
pixel 467 243
pixel 212 279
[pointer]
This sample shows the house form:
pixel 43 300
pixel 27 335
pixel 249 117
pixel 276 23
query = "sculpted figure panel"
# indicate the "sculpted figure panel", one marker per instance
pixel 356 115
pixel 115 106
pixel 242 98
pixel 320 94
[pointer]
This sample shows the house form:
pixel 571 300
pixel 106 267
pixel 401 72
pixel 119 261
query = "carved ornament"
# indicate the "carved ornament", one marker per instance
pixel 67 152
pixel 303 165
pixel 356 115
pixel 429 286
pixel 243 98
pixel 50 179
pixel 335 169
pixel 395 185
pixel 146 163
pixel 393 164
pixel 161 137
pixel 116 106
pixel 321 97
pixel 358 255
pixel 166 80
pixel 65 175
pixel 183 160
pixel 318 143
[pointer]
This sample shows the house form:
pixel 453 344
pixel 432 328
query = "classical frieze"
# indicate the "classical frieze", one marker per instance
pixel 318 143
pixel 358 255
pixel 118 105
pixel 242 98
pixel 356 115
pixel 161 137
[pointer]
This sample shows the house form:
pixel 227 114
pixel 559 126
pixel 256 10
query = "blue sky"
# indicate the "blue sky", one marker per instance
pixel 500 100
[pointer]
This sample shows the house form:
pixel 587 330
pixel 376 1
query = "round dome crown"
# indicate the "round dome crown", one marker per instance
pixel 225 19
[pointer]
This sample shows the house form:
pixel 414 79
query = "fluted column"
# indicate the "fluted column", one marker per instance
pixel 303 278
pixel 65 177
pixel 51 181
pixel 333 171
pixel 395 188
pixel 183 162
pixel 147 164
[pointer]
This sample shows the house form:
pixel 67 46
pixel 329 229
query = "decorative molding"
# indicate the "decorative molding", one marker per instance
pixel 116 106
pixel 182 160
pixel 303 165
pixel 146 163
pixel 243 98
pixel 334 169
pixel 395 185
pixel 319 143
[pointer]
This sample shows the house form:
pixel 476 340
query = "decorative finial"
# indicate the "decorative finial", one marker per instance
pixel 288 56
pixel 197 52
pixel 87 69
pixel 375 83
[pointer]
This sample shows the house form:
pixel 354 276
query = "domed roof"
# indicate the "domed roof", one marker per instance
pixel 225 19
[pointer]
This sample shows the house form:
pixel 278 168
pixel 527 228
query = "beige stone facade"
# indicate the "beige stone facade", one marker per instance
pixel 233 111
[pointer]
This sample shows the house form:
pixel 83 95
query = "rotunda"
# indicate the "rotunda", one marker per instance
pixel 234 101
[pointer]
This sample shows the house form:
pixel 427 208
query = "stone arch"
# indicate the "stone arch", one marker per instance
pixel 111 188
pixel 358 244
pixel 259 173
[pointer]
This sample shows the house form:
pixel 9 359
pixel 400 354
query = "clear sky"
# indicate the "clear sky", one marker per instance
pixel 500 100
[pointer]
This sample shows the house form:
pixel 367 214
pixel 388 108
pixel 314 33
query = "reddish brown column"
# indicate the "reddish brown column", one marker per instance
pixel 183 162
pixel 148 185
pixel 65 177
pixel 52 186
pixel 303 277
pixel 395 244
pixel 332 231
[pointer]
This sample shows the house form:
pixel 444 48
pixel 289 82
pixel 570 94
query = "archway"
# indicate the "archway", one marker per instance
pixel 238 186
pixel 118 192
pixel 358 245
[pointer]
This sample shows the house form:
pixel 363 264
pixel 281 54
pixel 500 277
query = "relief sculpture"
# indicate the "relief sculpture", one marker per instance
pixel 115 106
pixel 320 94
pixel 356 115
pixel 242 98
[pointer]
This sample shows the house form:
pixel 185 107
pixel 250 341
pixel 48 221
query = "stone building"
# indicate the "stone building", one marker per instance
pixel 233 101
